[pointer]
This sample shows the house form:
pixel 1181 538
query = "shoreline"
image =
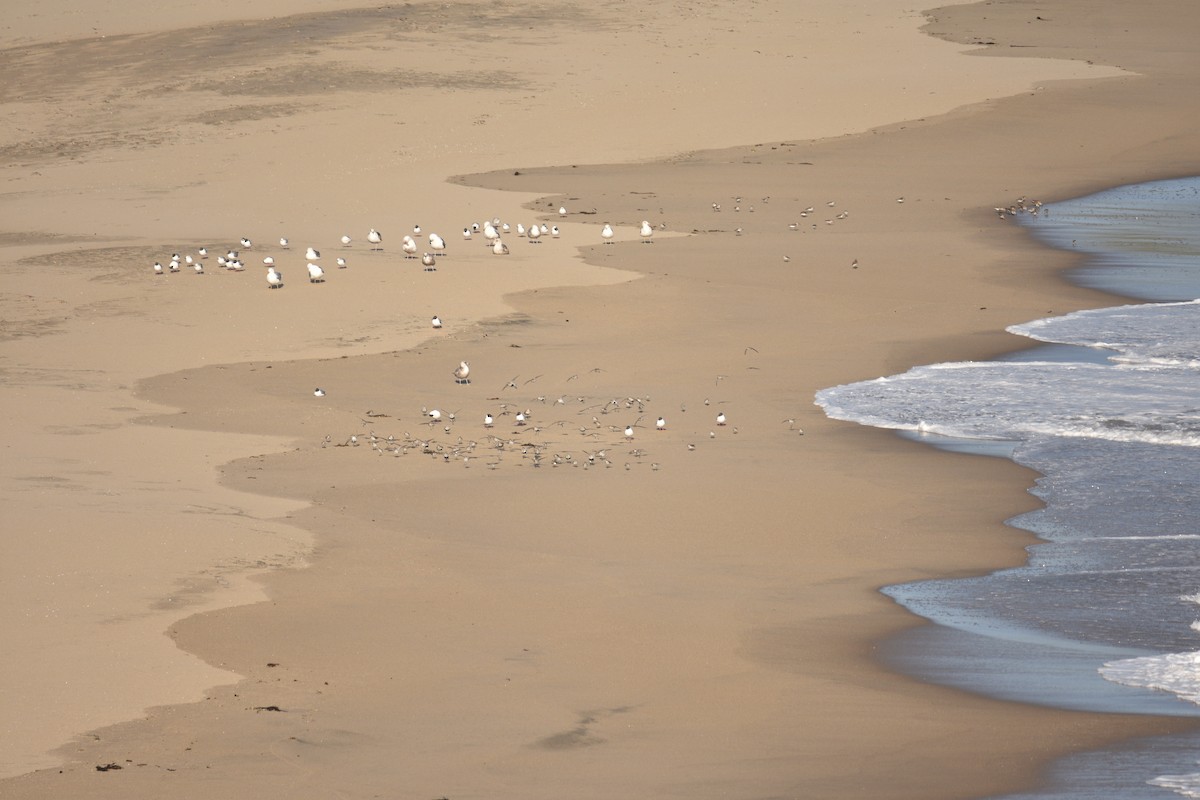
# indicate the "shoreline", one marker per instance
pixel 204 634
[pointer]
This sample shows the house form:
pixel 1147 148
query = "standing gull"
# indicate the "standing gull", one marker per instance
pixel 607 233
pixel 647 232
pixel 274 279
pixel 409 246
pixel 283 242
pixel 461 373
pixel 430 263
pixel 437 244
pixel 346 240
pixel 341 263
pixel 312 254
pixel 376 239
pixel 534 233
pixel 315 273
pixel 499 248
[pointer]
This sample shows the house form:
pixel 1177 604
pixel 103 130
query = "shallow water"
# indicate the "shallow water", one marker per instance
pixel 1105 615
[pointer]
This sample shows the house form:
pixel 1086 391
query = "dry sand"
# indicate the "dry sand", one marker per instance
pixel 684 622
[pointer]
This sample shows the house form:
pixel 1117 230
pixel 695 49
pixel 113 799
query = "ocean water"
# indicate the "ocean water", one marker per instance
pixel 1105 614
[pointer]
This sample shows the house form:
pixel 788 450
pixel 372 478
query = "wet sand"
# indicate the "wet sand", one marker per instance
pixel 555 608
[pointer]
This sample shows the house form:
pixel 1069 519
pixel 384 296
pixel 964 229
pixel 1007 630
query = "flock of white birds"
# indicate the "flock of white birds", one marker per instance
pixel 492 231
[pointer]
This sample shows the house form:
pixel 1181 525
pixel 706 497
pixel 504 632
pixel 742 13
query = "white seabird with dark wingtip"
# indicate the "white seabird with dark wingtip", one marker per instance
pixel 437 244
pixel 312 254
pixel 376 239
pixel 158 268
pixel 461 373
pixel 246 243
pixel 315 273
pixel 499 248
pixel 346 240
pixel 606 233
pixel 274 278
pixel 647 232
pixel 436 322
pixel 341 263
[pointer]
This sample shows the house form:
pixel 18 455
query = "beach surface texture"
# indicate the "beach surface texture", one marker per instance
pixel 264 542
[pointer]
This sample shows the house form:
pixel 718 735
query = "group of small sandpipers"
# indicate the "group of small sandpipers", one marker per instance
pixel 533 441
pixel 493 232
pixel 1023 206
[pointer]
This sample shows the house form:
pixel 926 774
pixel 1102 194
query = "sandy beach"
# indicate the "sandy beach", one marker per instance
pixel 227 586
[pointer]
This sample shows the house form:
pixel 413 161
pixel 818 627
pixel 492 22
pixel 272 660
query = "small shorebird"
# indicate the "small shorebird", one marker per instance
pixel 268 261
pixel 429 262
pixel 158 268
pixel 554 231
pixel 416 230
pixel 461 373
pixel 283 242
pixel 312 254
pixel 346 240
pixel 661 425
pixel 318 392
pixel 341 263
pixel 199 268
pixel 647 232
pixel 488 420
pixel 606 233
pixel 435 415
pixel 376 239
pixel 274 278
pixel 721 418
pixel 315 273
pixel 562 211
pixel 409 246
pixel 466 234
pixel 628 431
pixel 203 251
pixel 174 266
pixel 246 243
pixel 520 229
pixel 437 321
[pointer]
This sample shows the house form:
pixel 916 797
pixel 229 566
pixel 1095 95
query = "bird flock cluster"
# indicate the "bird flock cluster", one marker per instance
pixel 1023 206
pixel 567 430
pixel 427 248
